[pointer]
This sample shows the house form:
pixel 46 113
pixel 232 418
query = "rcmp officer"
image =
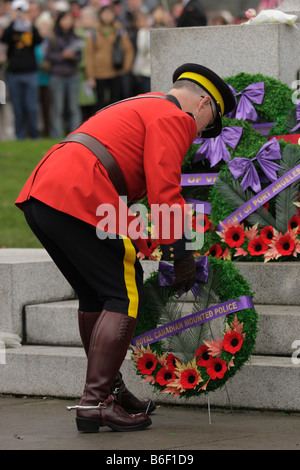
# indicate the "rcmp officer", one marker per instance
pixel 134 147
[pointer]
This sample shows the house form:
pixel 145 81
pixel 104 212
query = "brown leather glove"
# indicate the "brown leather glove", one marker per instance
pixel 185 273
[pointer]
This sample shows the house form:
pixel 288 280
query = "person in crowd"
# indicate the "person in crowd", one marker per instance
pixel 193 14
pixel 220 18
pixel 55 7
pixel 141 65
pixel 87 95
pixel 21 37
pixel 240 18
pixel 100 69
pixel 176 11
pixel 75 8
pixel 44 24
pixel 119 10
pixel 268 4
pixel 158 17
pixel 64 54
pixel 96 4
pixel 6 112
pixel 35 9
pixel 131 10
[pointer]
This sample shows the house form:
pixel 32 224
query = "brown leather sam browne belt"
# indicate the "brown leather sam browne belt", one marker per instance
pixel 94 145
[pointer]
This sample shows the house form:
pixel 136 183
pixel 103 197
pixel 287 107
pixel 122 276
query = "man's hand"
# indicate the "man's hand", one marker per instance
pixel 185 273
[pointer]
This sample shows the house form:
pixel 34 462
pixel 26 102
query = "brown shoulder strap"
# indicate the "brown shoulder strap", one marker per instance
pixel 94 145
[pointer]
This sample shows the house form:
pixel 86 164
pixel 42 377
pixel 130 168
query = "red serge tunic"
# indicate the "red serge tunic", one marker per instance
pixel 148 138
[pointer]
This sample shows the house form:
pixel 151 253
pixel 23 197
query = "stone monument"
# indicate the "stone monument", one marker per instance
pixel 269 49
pixel 290 7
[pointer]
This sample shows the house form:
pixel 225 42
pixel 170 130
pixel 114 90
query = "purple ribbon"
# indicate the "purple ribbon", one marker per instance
pixel 198 179
pixel 195 319
pixel 263 128
pixel 264 196
pixel 215 150
pixel 297 117
pixel 204 206
pixel 166 274
pixel 253 93
pixel 244 166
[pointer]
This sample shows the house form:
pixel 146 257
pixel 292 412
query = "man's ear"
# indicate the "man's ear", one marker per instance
pixel 203 102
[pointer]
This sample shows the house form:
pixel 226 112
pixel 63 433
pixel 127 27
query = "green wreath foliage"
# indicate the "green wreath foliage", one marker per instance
pixel 224 283
pixel 227 195
pixel 277 100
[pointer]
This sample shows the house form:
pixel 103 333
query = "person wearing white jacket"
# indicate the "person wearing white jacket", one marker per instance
pixel 141 66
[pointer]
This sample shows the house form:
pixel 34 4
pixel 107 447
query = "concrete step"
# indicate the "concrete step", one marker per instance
pixel 264 383
pixel 29 276
pixel 55 323
pixel 279 328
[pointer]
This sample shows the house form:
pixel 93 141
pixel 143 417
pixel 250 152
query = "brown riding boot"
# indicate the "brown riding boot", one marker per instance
pixel 110 339
pixel 124 397
pixel 86 323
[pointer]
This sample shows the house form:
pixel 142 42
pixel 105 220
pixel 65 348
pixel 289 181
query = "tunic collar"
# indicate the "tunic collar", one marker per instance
pixel 174 100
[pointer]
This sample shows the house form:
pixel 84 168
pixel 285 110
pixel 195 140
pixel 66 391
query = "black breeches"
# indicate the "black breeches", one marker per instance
pixel 104 273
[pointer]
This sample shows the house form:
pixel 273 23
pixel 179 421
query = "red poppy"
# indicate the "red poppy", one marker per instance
pixel 216 368
pixel 285 245
pixel 147 363
pixel 257 247
pixel 189 378
pixel 202 356
pixel 171 362
pixel 215 250
pixel 164 376
pixel 294 223
pixel 267 234
pixel 232 341
pixel 200 223
pixel 234 236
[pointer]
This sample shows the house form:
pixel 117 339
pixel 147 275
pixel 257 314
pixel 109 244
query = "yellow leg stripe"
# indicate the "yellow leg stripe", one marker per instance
pixel 129 276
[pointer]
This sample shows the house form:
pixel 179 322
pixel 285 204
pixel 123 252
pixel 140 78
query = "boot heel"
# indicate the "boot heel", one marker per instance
pixel 88 425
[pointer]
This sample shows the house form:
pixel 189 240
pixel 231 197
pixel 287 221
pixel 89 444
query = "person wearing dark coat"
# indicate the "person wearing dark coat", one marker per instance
pixel 64 54
pixel 193 14
pixel 21 37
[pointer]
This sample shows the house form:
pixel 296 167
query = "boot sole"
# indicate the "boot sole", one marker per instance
pixel 94 425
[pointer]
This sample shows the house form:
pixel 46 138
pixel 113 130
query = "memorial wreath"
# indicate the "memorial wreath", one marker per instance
pixel 175 352
pixel 247 184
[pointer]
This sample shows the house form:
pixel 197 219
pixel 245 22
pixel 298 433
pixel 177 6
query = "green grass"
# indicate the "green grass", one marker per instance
pixel 17 160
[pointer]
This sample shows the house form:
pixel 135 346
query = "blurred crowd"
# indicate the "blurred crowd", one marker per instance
pixel 61 61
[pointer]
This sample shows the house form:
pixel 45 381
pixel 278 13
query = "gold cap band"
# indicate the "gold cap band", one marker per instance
pixel 207 84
